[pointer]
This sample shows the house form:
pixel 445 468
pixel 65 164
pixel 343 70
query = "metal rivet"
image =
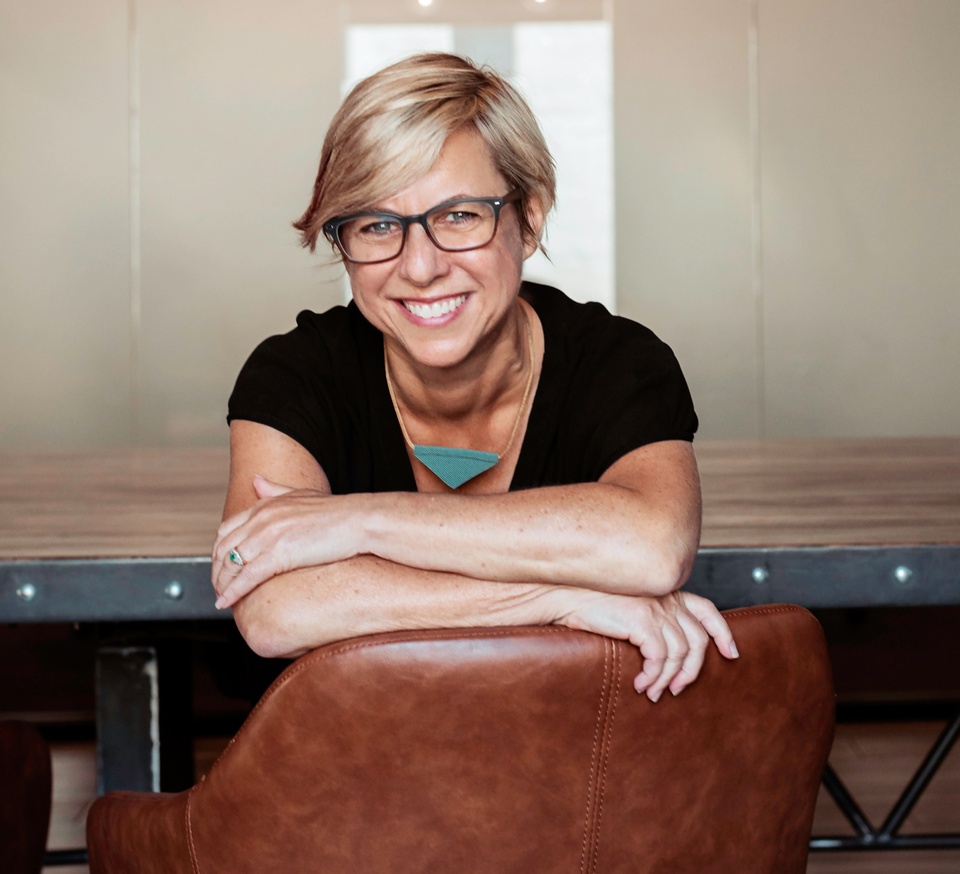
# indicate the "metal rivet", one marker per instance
pixel 760 575
pixel 27 592
pixel 903 575
pixel 174 591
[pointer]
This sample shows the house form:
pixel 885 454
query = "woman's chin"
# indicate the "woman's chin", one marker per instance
pixel 436 353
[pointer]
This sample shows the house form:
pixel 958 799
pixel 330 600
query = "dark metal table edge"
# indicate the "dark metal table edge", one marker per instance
pixel 107 590
pixel 152 589
pixel 829 576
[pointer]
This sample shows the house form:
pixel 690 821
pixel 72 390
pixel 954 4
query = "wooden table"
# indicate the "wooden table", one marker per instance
pixel 124 536
pixel 830 523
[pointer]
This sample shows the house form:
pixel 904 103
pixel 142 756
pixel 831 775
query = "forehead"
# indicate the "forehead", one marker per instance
pixel 465 167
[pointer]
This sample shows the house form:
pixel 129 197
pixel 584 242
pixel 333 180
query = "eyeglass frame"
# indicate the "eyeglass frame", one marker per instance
pixel 331 228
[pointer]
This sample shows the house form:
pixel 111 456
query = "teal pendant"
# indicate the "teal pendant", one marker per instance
pixel 455 466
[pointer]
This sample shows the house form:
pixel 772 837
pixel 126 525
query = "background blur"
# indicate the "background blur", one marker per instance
pixel 771 185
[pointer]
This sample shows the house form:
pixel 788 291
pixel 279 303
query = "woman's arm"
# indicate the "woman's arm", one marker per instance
pixel 296 611
pixel 299 611
pixel 635 532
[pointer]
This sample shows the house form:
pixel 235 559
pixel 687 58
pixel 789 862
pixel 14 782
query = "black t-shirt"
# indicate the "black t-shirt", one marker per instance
pixel 608 385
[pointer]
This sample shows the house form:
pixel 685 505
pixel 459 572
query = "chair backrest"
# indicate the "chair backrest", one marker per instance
pixel 505 750
pixel 25 787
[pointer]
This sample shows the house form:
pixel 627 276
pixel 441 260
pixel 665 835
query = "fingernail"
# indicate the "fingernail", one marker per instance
pixel 733 649
pixel 220 603
pixel 675 692
pixel 654 696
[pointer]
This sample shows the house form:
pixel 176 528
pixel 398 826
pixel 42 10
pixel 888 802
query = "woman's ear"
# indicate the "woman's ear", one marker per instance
pixel 535 220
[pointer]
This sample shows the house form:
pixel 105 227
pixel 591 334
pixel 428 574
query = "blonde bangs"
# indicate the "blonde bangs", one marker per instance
pixel 392 126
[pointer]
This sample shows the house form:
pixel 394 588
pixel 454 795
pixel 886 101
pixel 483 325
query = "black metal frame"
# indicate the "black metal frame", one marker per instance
pixel 165 589
pixel 887 837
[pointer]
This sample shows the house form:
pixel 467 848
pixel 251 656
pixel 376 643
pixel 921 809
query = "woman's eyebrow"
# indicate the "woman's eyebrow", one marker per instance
pixel 463 195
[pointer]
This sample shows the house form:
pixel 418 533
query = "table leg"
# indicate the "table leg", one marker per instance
pixel 132 727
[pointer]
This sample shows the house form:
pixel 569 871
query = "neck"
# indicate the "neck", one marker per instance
pixel 493 374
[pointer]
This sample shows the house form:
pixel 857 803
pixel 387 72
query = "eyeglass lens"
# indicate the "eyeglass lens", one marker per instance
pixel 455 227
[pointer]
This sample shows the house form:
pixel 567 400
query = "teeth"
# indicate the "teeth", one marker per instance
pixel 435 310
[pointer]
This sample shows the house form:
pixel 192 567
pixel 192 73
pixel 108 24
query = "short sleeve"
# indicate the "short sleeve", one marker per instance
pixel 608 386
pixel 323 385
pixel 280 385
pixel 637 395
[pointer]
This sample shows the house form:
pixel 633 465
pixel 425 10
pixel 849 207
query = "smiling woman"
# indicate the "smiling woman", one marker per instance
pixel 458 447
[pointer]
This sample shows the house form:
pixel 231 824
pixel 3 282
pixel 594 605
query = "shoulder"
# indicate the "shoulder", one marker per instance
pixel 316 335
pixel 588 333
pixel 289 377
pixel 609 383
pixel 320 345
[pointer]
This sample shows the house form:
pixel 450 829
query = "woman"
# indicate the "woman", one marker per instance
pixel 457 447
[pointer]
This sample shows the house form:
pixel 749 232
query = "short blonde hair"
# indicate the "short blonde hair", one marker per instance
pixel 390 129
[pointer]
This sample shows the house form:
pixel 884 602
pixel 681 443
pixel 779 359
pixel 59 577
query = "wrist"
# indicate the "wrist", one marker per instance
pixel 356 525
pixel 375 524
pixel 560 602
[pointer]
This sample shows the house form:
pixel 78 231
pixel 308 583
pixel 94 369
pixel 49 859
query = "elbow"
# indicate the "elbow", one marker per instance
pixel 672 554
pixel 664 568
pixel 267 631
pixel 673 573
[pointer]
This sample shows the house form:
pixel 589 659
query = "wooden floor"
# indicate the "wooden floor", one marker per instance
pixel 874 760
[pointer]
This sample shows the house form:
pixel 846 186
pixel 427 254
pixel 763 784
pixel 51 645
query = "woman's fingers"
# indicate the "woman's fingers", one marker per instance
pixel 235 570
pixel 712 621
pixel 653 652
pixel 658 672
pixel 284 530
pixel 672 633
pixel 698 640
pixel 241 583
pixel 669 647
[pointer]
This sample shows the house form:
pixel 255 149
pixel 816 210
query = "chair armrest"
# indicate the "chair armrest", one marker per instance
pixel 139 831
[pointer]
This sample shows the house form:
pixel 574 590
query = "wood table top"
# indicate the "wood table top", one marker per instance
pixel 119 503
pixel 158 503
pixel 868 492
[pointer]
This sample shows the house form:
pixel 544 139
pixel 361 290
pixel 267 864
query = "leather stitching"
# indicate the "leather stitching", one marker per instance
pixel 612 702
pixel 764 611
pixel 194 861
pixel 591 784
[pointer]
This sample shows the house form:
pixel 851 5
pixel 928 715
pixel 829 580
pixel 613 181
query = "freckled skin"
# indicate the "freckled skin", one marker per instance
pixel 606 557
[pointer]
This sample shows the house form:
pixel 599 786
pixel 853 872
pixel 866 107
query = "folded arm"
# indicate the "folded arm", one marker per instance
pixel 634 532
pixel 299 611
pixel 297 608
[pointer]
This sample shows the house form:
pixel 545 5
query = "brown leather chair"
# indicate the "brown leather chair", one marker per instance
pixel 25 798
pixel 504 750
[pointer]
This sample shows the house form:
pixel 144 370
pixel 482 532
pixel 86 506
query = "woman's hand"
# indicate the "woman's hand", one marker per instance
pixel 672 633
pixel 284 530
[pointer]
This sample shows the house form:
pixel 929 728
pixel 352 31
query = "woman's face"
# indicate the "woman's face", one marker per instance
pixel 477 288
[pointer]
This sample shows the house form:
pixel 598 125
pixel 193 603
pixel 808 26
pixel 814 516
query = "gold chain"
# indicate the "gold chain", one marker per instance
pixel 523 400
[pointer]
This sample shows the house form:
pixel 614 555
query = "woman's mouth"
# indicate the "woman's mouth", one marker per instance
pixel 436 309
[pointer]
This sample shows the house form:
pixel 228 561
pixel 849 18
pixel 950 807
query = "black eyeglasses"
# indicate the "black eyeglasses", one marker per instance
pixel 453 226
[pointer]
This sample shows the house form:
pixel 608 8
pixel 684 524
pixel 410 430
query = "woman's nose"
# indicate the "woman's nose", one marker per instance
pixel 421 261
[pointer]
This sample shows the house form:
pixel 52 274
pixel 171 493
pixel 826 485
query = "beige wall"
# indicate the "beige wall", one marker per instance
pixel 787 207
pixel 788 211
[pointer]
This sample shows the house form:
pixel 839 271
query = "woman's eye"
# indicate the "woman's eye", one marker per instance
pixel 459 217
pixel 379 228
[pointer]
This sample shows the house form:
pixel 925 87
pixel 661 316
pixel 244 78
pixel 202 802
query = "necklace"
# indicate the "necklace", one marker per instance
pixel 452 465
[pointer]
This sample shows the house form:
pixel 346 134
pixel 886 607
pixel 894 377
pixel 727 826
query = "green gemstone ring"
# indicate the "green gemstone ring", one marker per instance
pixel 236 558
